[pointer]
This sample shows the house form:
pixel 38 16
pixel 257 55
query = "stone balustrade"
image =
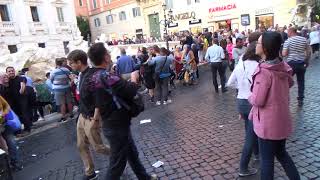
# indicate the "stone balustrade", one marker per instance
pixel 7 26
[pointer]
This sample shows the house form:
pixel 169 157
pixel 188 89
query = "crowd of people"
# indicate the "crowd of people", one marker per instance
pixel 108 93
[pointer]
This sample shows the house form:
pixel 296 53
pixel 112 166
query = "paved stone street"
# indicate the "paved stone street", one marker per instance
pixel 198 136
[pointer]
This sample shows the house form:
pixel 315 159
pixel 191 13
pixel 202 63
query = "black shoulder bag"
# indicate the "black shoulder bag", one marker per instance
pixel 135 105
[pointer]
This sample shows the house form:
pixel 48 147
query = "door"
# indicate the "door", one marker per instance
pixel 154 25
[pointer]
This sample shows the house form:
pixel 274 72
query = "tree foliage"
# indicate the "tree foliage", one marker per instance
pixel 84 27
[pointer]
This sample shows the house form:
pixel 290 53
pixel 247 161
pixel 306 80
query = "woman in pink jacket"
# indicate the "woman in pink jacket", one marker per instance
pixel 270 112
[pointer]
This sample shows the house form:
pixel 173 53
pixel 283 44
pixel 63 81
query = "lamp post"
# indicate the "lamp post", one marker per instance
pixel 166 21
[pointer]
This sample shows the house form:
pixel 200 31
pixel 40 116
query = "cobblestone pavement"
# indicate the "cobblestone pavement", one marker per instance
pixel 198 136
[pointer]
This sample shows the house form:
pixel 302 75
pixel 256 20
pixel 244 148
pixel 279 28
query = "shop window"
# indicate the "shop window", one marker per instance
pixel 136 12
pixel 4 13
pixel 42 45
pixel 109 19
pixel 196 29
pixel 224 24
pixel 12 48
pixel 265 21
pixel 34 13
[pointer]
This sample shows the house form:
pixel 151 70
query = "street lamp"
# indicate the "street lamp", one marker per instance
pixel 166 21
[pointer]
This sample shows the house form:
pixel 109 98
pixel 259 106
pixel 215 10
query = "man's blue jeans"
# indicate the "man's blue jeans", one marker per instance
pixel 251 140
pixel 275 148
pixel 123 149
pixel 14 153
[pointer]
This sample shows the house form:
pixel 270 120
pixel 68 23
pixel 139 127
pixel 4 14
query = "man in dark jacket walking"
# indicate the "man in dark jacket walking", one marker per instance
pixel 116 120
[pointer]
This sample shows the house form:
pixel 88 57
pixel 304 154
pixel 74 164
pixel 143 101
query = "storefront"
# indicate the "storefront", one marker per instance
pixel 186 21
pixel 264 17
pixel 223 16
pixel 226 14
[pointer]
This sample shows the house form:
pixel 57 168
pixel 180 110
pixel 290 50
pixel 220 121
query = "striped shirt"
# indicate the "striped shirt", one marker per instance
pixel 296 46
pixel 60 79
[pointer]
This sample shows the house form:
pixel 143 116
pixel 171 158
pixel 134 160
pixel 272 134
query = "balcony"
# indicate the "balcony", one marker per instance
pixel 8 27
pixel 36 27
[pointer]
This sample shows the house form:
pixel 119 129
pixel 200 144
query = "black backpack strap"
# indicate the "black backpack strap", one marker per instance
pixel 116 99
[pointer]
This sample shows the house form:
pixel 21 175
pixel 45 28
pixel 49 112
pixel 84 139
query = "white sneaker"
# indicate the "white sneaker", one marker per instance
pixel 158 103
pixel 41 119
pixel 167 102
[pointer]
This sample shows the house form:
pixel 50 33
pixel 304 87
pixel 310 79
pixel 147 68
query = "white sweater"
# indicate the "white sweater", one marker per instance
pixel 241 78
pixel 314 37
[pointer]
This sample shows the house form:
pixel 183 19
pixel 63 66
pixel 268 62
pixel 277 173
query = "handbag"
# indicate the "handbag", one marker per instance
pixel 135 105
pixel 157 75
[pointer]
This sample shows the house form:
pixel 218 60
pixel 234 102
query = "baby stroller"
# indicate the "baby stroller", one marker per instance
pixel 186 74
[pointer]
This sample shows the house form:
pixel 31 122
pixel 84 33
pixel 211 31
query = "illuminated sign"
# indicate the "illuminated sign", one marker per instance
pixel 222 8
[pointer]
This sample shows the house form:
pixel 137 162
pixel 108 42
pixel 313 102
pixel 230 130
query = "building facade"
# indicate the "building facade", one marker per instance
pixel 42 23
pixel 116 19
pixel 229 14
pixel 81 7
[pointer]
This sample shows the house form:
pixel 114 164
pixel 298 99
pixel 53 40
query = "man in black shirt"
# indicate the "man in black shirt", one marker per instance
pixel 20 100
pixel 189 39
pixel 115 119
pixel 88 126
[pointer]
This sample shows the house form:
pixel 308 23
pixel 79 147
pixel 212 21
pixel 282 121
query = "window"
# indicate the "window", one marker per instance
pixel 12 48
pixel 197 1
pixel 60 14
pixel 4 13
pixel 136 12
pixel 80 2
pixel 108 1
pixel 42 45
pixel 34 13
pixel 94 2
pixel 97 22
pixel 122 16
pixel 169 4
pixel 65 45
pixel 188 2
pixel 109 19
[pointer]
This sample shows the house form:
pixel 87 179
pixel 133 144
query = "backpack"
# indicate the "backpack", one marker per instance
pixel 135 105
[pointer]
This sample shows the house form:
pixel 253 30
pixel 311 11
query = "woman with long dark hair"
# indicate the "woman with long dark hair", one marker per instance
pixel 270 107
pixel 191 65
pixel 241 79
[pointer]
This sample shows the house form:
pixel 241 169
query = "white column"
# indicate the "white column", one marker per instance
pixel 50 15
pixel 19 15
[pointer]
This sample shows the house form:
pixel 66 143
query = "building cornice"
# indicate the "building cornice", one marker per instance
pixel 33 2
pixel 6 1
pixel 106 9
pixel 58 2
